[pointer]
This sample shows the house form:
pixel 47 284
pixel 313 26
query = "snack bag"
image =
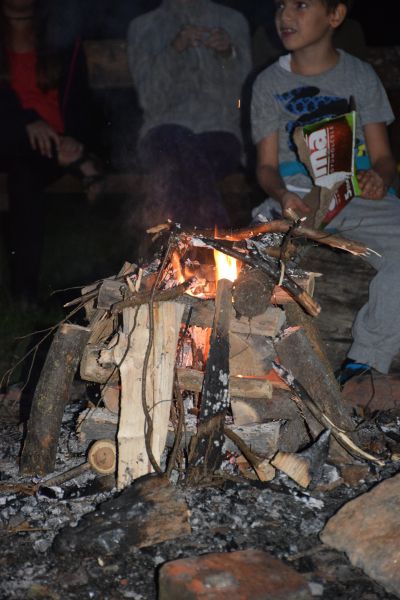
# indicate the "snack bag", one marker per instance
pixel 327 150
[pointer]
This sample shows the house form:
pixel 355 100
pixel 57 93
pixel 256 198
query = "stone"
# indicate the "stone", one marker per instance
pixel 367 529
pixel 236 575
pixel 378 392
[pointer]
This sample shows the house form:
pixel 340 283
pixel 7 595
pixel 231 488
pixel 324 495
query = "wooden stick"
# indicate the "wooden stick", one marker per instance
pixel 144 297
pixel 277 226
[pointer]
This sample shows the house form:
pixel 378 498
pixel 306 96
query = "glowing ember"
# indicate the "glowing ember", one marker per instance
pixel 226 266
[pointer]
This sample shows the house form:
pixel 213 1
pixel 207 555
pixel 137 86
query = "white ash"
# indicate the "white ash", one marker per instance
pixel 277 517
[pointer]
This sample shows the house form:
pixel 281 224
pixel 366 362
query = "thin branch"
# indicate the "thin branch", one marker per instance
pixel 145 297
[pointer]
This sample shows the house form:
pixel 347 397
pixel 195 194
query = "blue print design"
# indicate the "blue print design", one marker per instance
pixel 305 104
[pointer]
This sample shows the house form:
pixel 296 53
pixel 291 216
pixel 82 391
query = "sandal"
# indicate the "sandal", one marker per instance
pixel 93 183
pixel 93 186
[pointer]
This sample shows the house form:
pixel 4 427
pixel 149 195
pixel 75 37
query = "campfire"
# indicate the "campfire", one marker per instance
pixel 207 356
pixel 211 384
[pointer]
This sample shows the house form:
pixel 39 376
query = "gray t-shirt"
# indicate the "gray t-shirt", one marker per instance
pixel 282 101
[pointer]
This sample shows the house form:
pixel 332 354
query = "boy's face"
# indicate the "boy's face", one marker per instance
pixel 302 24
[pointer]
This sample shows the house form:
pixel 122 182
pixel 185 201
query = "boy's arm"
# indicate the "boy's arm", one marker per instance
pixel 375 182
pixel 270 179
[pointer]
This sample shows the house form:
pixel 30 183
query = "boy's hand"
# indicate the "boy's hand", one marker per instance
pixel 371 185
pixel 292 201
pixel 189 37
pixel 42 137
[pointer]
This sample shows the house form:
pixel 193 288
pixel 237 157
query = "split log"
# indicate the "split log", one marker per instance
pixel 91 368
pixel 244 387
pixel 268 323
pixel 206 447
pixel 110 394
pixel 250 355
pixel 51 395
pixel 129 353
pixel 102 326
pixel 96 423
pixel 305 468
pixel 156 392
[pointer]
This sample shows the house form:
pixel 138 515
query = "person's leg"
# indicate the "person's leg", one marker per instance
pixel 222 150
pixel 376 330
pixel 183 169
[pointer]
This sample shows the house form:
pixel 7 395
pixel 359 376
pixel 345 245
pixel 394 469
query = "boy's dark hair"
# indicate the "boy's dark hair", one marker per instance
pixel 332 4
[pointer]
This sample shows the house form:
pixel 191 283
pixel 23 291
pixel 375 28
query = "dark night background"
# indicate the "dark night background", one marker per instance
pixel 110 18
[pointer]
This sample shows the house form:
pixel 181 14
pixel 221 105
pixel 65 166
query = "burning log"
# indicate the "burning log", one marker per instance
pixel 206 447
pixel 51 396
pixel 300 295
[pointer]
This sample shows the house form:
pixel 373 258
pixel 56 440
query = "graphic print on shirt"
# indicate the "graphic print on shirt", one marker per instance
pixel 307 106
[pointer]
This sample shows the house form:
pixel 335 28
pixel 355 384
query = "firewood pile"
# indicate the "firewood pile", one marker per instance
pixel 207 356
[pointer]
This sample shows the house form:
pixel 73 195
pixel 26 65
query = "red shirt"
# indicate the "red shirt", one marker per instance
pixel 23 82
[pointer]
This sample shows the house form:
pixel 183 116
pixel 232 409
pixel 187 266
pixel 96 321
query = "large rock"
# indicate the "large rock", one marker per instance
pixel 235 575
pixel 368 530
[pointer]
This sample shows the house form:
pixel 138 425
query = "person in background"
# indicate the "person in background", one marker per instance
pixel 315 81
pixel 44 124
pixel 189 60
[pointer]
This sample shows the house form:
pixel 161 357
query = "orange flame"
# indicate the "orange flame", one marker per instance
pixel 177 268
pixel 226 266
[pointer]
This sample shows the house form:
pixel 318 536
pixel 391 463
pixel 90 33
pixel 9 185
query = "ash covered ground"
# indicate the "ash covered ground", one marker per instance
pixel 278 517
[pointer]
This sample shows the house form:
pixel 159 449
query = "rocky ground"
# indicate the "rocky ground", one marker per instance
pixel 278 517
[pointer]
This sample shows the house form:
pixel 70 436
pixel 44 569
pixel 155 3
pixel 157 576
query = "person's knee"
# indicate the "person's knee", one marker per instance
pixel 163 143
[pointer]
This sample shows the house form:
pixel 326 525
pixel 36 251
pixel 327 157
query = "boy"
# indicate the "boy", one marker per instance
pixel 316 81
